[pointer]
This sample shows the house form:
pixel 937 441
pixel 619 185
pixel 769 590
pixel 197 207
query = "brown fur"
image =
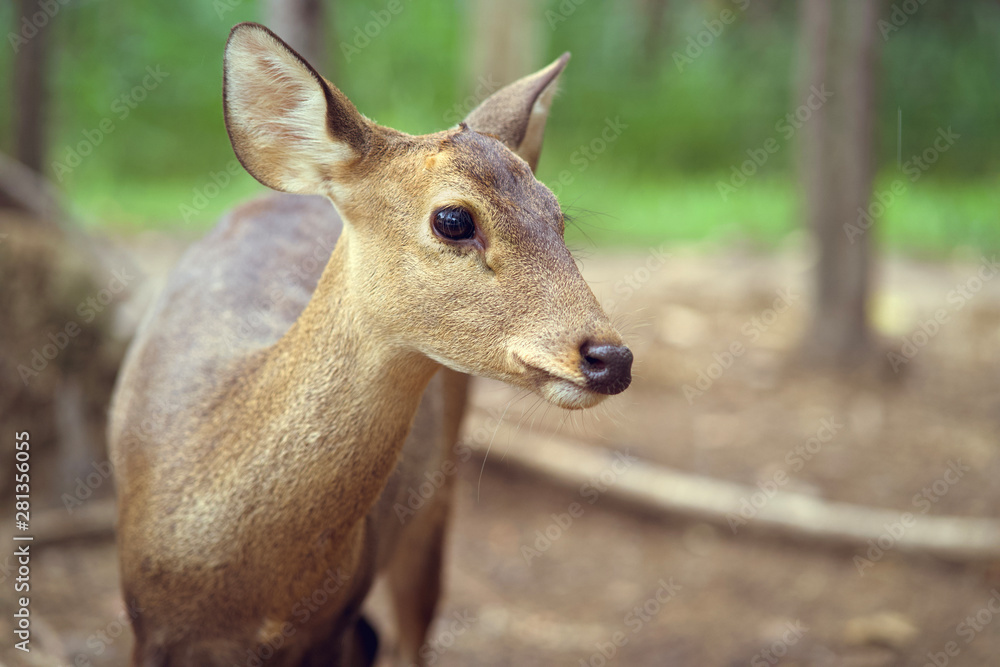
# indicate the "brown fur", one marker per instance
pixel 261 427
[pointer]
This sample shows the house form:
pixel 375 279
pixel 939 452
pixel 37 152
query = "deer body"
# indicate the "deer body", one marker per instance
pixel 266 419
pixel 258 267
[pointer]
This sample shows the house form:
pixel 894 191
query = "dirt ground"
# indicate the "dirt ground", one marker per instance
pixel 620 587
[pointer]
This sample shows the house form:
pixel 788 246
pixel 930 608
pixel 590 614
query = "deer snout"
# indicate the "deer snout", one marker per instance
pixel 606 368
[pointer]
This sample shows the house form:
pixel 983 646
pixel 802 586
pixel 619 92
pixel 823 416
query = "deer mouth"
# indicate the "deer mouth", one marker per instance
pixel 566 393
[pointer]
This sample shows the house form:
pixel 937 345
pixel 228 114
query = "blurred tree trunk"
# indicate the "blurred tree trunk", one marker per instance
pixel 654 12
pixel 506 41
pixel 30 84
pixel 302 23
pixel 839 50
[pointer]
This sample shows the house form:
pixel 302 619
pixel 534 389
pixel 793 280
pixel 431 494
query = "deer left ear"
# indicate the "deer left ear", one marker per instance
pixel 516 114
pixel 290 128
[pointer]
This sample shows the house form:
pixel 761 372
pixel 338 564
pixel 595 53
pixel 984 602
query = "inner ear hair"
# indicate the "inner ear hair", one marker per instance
pixel 289 127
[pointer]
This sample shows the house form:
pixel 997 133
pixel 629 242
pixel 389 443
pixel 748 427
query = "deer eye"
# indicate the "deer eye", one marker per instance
pixel 454 224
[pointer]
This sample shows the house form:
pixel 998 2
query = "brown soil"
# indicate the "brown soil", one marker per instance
pixel 724 598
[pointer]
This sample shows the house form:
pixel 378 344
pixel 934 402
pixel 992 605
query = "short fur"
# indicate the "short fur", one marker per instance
pixel 266 418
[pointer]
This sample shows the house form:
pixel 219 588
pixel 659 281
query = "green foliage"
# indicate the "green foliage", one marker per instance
pixel 686 123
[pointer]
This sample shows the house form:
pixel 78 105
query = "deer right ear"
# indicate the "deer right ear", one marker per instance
pixel 290 128
pixel 516 114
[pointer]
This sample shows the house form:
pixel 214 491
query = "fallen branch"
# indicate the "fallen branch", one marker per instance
pixel 661 489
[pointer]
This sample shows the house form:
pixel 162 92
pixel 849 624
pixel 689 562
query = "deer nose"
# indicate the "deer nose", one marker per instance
pixel 607 368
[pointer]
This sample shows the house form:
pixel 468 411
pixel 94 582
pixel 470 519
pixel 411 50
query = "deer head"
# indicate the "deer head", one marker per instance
pixel 453 249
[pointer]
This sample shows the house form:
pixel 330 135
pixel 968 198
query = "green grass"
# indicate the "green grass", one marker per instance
pixel 929 219
pixel 126 207
pixel 626 213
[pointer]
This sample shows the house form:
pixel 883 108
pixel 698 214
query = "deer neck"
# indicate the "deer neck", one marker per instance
pixel 343 398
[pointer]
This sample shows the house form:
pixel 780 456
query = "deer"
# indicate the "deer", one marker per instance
pixel 307 364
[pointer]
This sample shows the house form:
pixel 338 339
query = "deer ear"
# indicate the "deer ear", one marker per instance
pixel 290 128
pixel 516 114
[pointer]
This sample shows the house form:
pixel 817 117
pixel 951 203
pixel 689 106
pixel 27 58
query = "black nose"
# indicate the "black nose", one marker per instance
pixel 608 368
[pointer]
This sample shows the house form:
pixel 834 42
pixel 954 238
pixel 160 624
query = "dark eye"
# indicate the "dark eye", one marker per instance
pixel 454 224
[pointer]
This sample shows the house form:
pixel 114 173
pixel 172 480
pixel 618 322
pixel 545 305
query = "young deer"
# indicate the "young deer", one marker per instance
pixel 260 425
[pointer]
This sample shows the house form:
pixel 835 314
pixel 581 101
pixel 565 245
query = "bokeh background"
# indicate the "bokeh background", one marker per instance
pixel 791 208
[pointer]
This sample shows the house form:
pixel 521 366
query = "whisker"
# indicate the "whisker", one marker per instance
pixel 517 428
pixel 526 413
pixel 479 485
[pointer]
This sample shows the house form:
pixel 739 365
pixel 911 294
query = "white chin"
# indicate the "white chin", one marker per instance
pixel 569 395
